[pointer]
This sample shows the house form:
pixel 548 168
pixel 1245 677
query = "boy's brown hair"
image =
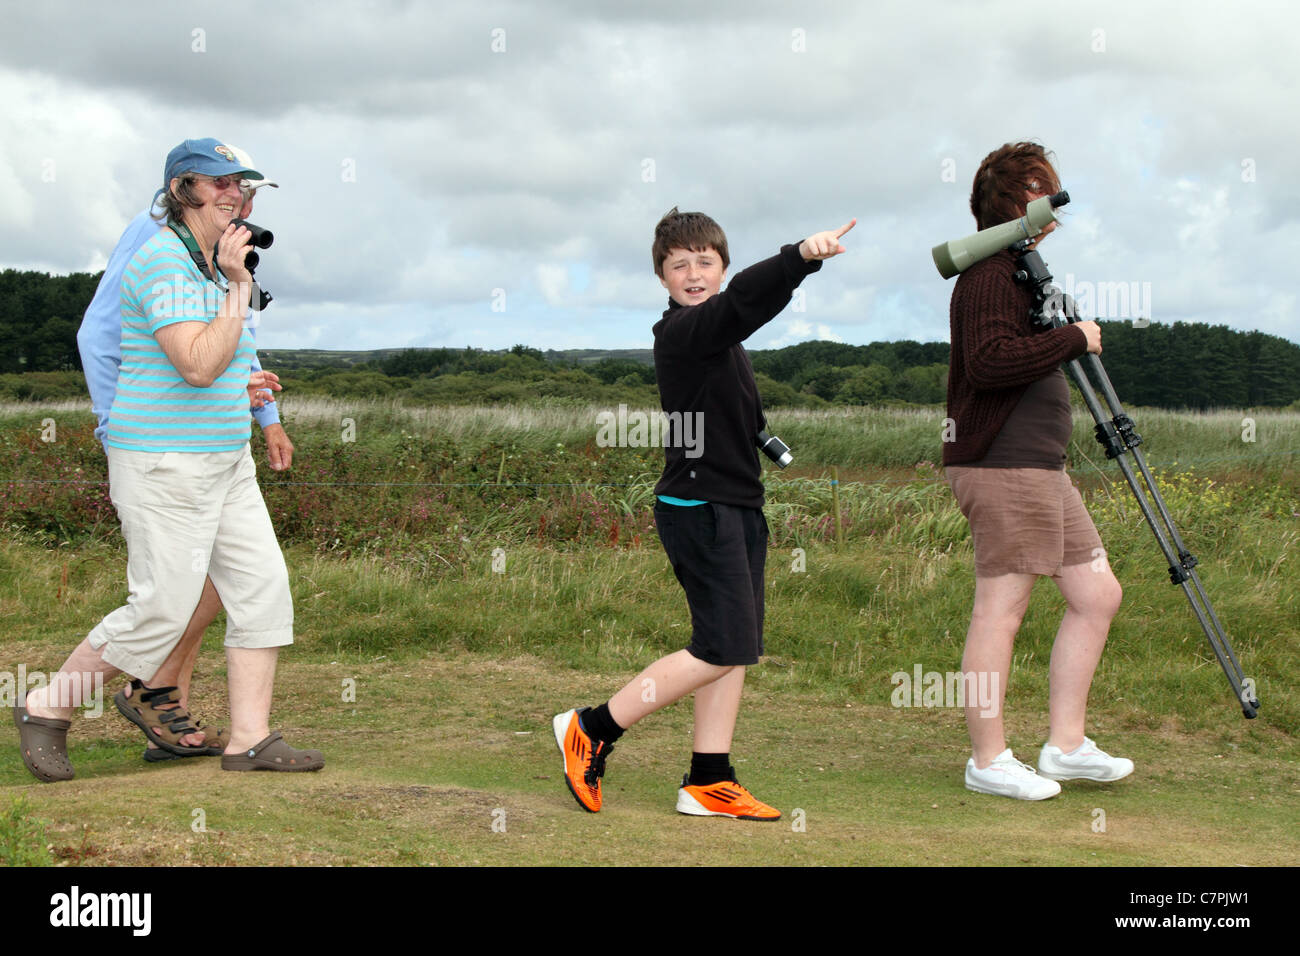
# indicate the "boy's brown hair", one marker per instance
pixel 1003 179
pixel 687 230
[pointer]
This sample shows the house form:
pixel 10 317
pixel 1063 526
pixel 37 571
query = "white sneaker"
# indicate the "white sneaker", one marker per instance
pixel 1008 777
pixel 1086 762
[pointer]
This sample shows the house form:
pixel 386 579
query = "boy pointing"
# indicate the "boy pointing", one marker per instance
pixel 708 512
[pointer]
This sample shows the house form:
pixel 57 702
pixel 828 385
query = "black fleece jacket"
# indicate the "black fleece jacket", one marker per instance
pixel 702 367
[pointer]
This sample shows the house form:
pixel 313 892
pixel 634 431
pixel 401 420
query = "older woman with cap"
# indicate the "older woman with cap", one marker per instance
pixel 182 478
pixel 172 731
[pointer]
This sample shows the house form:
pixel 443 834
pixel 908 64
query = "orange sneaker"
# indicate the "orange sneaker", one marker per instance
pixel 725 799
pixel 584 759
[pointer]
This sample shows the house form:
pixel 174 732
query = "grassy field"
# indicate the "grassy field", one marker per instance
pixel 429 679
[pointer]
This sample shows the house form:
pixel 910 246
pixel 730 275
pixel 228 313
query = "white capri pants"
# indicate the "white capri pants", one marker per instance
pixel 187 516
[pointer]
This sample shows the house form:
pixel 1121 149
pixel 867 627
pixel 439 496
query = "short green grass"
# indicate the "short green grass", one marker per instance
pixel 468 773
pixel 432 703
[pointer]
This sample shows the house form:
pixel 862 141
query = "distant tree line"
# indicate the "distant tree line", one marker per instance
pixel 836 373
pixel 1184 365
pixel 1190 365
pixel 39 318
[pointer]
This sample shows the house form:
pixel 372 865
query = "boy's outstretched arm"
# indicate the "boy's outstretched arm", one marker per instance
pixel 823 245
pixel 753 298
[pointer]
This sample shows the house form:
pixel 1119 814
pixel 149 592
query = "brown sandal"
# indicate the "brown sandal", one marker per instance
pixel 214 745
pixel 273 754
pixel 143 709
pixel 43 743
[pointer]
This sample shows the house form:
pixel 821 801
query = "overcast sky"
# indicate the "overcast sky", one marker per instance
pixel 490 173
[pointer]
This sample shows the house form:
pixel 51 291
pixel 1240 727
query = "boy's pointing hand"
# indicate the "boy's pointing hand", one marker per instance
pixel 823 245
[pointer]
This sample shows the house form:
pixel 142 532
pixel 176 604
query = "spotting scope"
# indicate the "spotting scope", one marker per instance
pixel 951 258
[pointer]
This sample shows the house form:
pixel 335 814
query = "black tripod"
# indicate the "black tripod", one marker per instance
pixel 1117 435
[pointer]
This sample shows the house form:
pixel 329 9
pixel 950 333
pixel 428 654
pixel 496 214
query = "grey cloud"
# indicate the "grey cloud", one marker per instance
pixel 420 170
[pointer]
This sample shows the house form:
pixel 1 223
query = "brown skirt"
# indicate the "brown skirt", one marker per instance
pixel 1024 520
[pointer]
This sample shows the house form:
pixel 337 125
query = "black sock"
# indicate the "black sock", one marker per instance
pixel 710 768
pixel 597 722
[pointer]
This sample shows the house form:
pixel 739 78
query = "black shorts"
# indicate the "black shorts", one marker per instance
pixel 718 553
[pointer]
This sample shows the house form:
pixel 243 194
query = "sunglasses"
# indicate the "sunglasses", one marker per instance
pixel 223 182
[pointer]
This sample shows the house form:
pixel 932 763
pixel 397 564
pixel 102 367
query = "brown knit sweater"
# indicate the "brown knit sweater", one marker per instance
pixel 997 352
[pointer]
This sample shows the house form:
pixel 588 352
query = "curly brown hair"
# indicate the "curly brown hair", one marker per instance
pixel 1005 177
pixel 687 230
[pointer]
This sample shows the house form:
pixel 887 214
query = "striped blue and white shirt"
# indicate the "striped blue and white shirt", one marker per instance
pixel 155 409
pixel 99 340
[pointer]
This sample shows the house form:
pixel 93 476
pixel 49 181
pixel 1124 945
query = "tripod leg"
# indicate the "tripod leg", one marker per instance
pixel 1119 438
pixel 1181 562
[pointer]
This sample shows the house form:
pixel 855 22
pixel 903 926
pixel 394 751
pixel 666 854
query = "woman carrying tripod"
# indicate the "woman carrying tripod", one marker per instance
pixel 1010 405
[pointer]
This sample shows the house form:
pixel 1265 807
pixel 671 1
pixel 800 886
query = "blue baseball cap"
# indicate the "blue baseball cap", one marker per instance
pixel 210 157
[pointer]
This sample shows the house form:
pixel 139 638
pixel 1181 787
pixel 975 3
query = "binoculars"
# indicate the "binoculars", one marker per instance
pixel 260 238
